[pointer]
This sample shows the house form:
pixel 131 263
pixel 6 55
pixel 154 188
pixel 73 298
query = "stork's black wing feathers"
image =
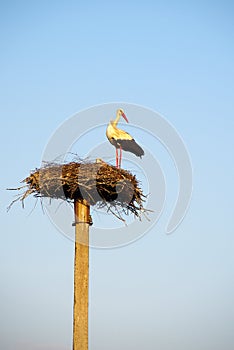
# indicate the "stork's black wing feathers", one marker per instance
pixel 130 146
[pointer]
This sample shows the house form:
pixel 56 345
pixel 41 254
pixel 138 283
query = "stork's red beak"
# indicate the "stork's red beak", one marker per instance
pixel 124 116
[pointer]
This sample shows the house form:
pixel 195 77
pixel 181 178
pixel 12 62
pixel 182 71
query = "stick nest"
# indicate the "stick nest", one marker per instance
pixel 100 184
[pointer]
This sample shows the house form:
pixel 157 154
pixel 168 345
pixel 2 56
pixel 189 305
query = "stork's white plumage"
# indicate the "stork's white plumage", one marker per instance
pixel 121 139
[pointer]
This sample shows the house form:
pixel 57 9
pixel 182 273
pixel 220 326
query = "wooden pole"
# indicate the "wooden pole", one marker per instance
pixel 81 276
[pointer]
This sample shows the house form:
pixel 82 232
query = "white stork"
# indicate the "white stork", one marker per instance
pixel 121 139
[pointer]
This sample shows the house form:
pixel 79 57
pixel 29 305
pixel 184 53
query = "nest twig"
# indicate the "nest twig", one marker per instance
pixel 98 183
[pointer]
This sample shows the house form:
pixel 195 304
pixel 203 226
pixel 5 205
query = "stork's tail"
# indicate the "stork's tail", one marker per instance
pixel 131 146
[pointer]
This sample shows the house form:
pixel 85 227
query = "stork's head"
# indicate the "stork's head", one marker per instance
pixel 121 113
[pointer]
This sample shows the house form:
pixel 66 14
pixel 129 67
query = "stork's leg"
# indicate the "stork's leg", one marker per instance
pixel 120 156
pixel 117 157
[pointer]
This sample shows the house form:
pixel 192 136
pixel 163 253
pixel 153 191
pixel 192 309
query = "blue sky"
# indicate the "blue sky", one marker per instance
pixel 176 57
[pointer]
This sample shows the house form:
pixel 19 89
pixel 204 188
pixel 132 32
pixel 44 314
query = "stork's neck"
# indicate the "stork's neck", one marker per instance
pixel 115 122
